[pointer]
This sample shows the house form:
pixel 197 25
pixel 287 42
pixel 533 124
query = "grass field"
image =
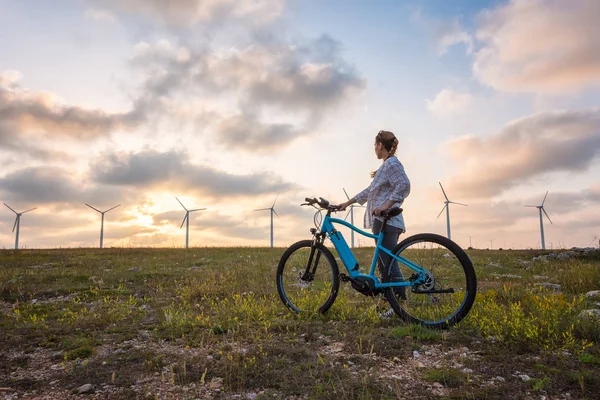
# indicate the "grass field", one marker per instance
pixel 208 323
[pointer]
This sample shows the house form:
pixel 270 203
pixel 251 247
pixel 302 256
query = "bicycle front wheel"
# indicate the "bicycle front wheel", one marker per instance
pixel 449 292
pixel 308 277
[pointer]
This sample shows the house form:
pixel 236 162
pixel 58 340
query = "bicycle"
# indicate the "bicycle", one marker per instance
pixel 437 288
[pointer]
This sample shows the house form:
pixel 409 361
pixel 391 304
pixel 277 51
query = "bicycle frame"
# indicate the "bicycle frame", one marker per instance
pixel 351 263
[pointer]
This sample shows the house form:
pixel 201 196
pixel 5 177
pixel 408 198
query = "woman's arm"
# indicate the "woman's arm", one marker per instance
pixel 398 179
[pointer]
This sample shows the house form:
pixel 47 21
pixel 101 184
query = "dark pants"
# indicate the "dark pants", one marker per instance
pixel 390 240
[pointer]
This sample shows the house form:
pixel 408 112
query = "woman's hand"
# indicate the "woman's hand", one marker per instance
pixel 383 207
pixel 378 210
pixel 343 206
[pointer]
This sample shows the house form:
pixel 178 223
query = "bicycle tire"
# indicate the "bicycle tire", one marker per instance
pixel 451 267
pixel 307 295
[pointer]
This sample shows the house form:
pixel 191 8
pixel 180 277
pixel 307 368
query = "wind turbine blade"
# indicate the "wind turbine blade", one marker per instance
pixel 10 208
pixel 183 222
pixel 543 201
pixel 31 209
pixel 276 197
pixel 276 213
pixel 442 210
pixel 346 217
pixel 181 204
pixel 262 209
pixel 112 208
pixel 15 225
pixel 531 206
pixel 460 204
pixel 93 208
pixel 547 215
pixel 197 209
pixel 348 197
pixel 443 191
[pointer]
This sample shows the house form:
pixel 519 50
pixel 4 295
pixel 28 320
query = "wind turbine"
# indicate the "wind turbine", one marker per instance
pixel 272 209
pixel 470 237
pixel 18 223
pixel 541 209
pixel 186 219
pixel 102 223
pixel 447 207
pixel 351 213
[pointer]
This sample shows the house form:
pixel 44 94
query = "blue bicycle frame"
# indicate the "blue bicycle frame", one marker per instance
pixel 351 263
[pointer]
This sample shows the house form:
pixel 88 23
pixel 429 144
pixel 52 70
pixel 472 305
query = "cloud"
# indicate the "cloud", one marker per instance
pixel 246 133
pixel 51 185
pixel 190 13
pixel 528 147
pixel 539 46
pixel 30 121
pixel 99 15
pixel 448 33
pixel 449 102
pixel 213 222
pixel 154 169
pixel 275 91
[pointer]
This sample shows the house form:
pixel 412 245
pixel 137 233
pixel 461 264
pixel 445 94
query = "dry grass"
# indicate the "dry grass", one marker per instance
pixel 176 323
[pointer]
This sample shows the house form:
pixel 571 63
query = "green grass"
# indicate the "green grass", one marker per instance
pixel 189 319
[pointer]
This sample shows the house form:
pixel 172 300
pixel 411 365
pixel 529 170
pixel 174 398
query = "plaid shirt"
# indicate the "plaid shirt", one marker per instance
pixel 390 183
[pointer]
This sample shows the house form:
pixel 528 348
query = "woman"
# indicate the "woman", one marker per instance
pixel 389 188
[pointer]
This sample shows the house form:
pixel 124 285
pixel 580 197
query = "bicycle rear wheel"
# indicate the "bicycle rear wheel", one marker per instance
pixel 308 277
pixel 450 290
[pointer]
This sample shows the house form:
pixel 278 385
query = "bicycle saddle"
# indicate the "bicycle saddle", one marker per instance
pixel 391 212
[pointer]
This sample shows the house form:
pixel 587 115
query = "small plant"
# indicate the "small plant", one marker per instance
pixel 451 378
pixel 541 384
pixel 589 359
pixel 417 332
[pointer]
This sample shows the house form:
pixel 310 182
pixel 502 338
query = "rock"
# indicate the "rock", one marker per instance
pixel 510 276
pixel 541 277
pixel 551 286
pixel 440 392
pixel 134 269
pixel 495 265
pixel 467 371
pixel 500 379
pixel 336 347
pixel 593 295
pixel 416 354
pixel 525 378
pixel 593 313
pixel 215 384
pixel 85 389
pixel 437 385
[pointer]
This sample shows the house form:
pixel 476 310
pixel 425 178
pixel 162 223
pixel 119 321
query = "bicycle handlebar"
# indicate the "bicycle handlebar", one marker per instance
pixel 323 203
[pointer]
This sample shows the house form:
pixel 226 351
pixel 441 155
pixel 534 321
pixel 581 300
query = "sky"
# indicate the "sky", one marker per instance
pixel 230 105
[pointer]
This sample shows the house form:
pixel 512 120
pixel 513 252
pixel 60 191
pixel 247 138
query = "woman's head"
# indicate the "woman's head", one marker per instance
pixel 385 144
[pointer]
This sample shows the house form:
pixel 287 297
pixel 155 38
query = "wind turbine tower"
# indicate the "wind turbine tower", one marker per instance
pixel 540 210
pixel 351 213
pixel 102 223
pixel 447 208
pixel 272 210
pixel 17 223
pixel 186 219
